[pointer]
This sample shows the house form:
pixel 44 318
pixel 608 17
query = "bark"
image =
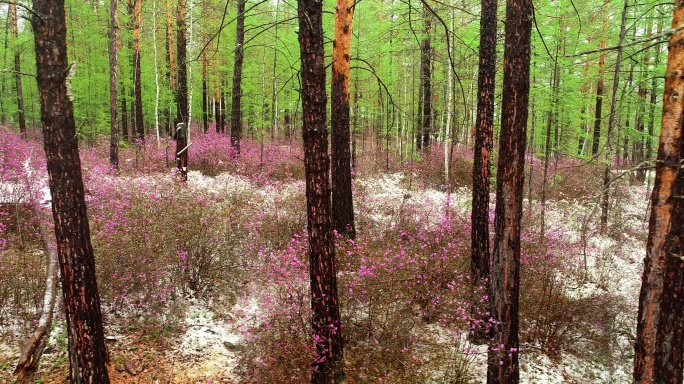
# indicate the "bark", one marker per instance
pixel 205 95
pixel 170 47
pixel 325 321
pixel 156 72
pixel 505 277
pixel 181 136
pixel 599 86
pixel 342 204
pixel 33 350
pixel 484 131
pixel 182 91
pixel 124 115
pixel 660 321
pixel 114 84
pixel 137 112
pixel 17 70
pixel 659 329
pixel 87 352
pixel 236 111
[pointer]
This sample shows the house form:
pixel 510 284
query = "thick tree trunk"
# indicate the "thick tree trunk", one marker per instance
pixel 653 100
pixel 137 112
pixel 484 130
pixel 342 204
pixel 87 352
pixel 17 70
pixel 503 364
pixel 660 322
pixel 114 84
pixel 182 92
pixel 325 321
pixel 236 111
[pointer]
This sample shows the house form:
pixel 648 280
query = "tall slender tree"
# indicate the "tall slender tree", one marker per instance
pixel 114 83
pixel 484 128
pixel 599 84
pixel 137 113
pixel 425 94
pixel 505 277
pixel 660 321
pixel 87 352
pixel 17 69
pixel 342 203
pixel 236 107
pixel 325 320
pixel 181 41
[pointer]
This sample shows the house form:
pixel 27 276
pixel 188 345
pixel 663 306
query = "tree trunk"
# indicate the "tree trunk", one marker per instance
pixel 138 127
pixel 599 85
pixel 17 70
pixel 205 95
pixel 87 352
pixel 484 128
pixel 114 84
pixel 611 124
pixel 156 72
pixel 505 279
pixel 342 204
pixel 182 91
pixel 660 322
pixel 654 90
pixel 236 111
pixel 325 321
pixel 552 120
pixel 33 350
pixel 425 110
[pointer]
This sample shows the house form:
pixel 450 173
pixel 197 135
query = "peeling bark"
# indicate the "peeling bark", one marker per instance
pixel 660 322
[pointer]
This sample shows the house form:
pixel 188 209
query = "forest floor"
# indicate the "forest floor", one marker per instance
pixel 210 346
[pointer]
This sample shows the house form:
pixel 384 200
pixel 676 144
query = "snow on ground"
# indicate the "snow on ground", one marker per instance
pixel 210 347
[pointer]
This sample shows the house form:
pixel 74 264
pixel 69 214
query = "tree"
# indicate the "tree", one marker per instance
pixel 505 277
pixel 87 352
pixel 484 128
pixel 599 85
pixel 236 111
pixel 114 84
pixel 325 321
pixel 135 7
pixel 425 91
pixel 660 321
pixel 342 203
pixel 17 69
pixel 182 91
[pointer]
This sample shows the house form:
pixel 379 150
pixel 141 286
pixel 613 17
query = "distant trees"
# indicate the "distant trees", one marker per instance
pixel 660 322
pixel 87 352
pixel 325 322
pixel 503 364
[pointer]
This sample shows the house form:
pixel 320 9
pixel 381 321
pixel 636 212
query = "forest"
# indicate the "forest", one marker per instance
pixel 348 191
